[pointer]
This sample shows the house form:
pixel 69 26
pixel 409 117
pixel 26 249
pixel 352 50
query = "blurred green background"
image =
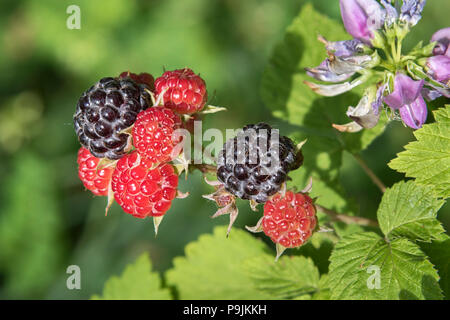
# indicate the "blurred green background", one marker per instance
pixel 47 220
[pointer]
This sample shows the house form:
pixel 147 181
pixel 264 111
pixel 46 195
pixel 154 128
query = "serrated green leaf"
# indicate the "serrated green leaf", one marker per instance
pixel 443 114
pixel 439 253
pixel 428 159
pixel 213 267
pixel 137 282
pixel 401 267
pixel 289 277
pixel 409 210
pixel 324 291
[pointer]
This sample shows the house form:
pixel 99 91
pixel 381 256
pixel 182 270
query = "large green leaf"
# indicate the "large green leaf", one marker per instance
pixel 410 210
pixel 213 267
pixel 289 277
pixel 137 282
pixel 428 158
pixel 439 253
pixel 401 267
pixel 284 92
pixel 240 267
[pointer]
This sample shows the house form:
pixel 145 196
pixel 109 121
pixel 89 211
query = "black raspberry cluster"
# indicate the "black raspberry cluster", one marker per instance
pixel 254 166
pixel 126 128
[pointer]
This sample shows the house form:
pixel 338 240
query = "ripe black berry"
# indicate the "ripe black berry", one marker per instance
pixel 255 163
pixel 106 109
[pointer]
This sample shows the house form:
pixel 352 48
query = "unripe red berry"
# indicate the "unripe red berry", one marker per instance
pixel 289 220
pixel 153 134
pixel 183 90
pixel 94 179
pixel 141 190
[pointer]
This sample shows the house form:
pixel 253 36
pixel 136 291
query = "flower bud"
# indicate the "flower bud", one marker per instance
pixel 362 17
pixel 344 48
pixel 391 13
pixel 323 73
pixel 439 68
pixel 364 114
pixel 414 115
pixel 442 37
pixel 411 11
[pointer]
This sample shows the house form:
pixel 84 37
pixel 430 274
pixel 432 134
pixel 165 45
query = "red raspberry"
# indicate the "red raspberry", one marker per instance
pixel 152 134
pixel 142 78
pixel 94 179
pixel 184 91
pixel 289 220
pixel 142 191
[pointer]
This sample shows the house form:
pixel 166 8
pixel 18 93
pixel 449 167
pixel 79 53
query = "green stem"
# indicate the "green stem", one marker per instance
pixel 207 168
pixel 347 219
pixel 369 172
pixel 399 51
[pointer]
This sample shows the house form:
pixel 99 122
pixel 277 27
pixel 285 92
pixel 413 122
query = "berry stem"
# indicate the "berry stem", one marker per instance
pixel 347 219
pixel 369 172
pixel 207 168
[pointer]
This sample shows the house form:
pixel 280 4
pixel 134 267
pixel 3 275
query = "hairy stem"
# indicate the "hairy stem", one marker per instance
pixel 207 168
pixel 347 219
pixel 370 173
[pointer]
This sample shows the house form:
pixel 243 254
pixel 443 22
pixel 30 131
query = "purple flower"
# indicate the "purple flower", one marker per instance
pixel 362 17
pixel 414 115
pixel 407 98
pixel 430 94
pixel 377 104
pixel 323 73
pixel 411 11
pixel 439 68
pixel 391 12
pixel 442 37
pixel 344 48
pixel 406 91
pixel 363 114
pixel 334 89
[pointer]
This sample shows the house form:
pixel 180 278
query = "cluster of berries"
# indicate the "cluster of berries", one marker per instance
pixel 125 126
pixel 254 166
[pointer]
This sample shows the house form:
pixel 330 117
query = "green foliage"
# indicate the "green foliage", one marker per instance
pixel 30 244
pixel 137 282
pixel 288 278
pixel 212 267
pixel 409 210
pixel 428 159
pixel 240 268
pixel 405 272
pixel 407 213
pixel 439 253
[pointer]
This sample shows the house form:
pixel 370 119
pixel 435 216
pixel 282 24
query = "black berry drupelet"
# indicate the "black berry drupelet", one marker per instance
pixel 255 163
pixel 106 109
